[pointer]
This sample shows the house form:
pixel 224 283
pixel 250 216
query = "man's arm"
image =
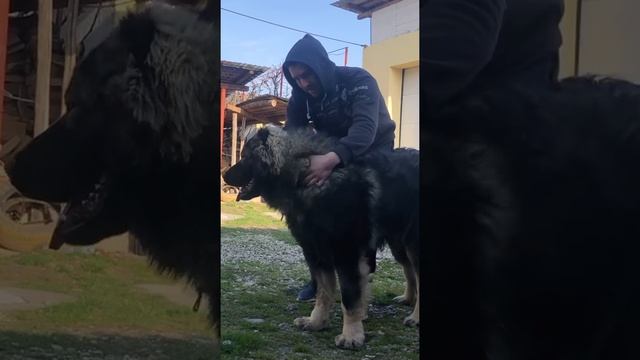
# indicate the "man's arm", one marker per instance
pixel 458 39
pixel 365 109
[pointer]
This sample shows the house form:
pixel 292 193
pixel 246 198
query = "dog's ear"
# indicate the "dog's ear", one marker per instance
pixel 171 80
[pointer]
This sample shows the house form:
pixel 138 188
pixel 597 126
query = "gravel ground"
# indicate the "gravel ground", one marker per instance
pixel 265 249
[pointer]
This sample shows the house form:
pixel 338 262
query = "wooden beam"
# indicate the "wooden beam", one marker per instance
pixel 4 28
pixel 70 49
pixel 230 86
pixel 43 69
pixel 240 111
pixel 243 130
pixel 234 137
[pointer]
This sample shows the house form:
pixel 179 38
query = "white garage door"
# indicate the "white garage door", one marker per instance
pixel 410 109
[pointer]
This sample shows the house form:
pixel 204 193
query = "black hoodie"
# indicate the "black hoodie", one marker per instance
pixel 352 107
pixel 467 45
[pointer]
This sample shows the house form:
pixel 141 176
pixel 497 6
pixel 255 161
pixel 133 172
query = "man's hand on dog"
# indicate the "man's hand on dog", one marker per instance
pixel 320 167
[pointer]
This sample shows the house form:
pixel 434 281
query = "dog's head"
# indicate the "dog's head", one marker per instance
pixel 263 156
pixel 135 105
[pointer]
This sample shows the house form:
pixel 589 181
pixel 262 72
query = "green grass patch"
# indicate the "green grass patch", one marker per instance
pixel 105 295
pixel 253 215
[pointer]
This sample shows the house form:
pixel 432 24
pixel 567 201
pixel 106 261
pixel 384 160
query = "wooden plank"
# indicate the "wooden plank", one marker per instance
pixel 43 69
pixel 234 137
pixel 237 110
pixel 70 49
pixel 4 27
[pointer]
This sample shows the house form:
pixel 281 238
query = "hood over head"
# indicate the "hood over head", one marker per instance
pixel 309 51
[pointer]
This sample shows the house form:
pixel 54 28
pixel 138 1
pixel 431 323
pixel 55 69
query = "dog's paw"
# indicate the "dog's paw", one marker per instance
pixel 411 320
pixel 305 323
pixel 404 300
pixel 350 342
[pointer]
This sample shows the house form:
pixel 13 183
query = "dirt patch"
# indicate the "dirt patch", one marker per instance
pixel 229 217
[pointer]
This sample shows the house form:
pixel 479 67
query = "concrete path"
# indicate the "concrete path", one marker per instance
pixel 26 299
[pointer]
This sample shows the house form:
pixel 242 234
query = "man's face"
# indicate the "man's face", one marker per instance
pixel 306 79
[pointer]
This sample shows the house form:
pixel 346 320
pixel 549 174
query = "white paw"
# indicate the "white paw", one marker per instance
pixel 305 323
pixel 412 320
pixel 350 342
pixel 402 299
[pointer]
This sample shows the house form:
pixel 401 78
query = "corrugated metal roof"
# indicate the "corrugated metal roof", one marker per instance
pixel 363 8
pixel 235 75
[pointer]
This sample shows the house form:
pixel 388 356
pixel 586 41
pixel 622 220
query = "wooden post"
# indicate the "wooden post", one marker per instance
pixel 43 69
pixel 346 55
pixel 243 131
pixel 234 138
pixel 4 29
pixel 223 96
pixel 70 49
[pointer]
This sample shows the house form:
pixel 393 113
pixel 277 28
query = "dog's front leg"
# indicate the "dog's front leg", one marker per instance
pixel 410 290
pixel 414 318
pixel 325 298
pixel 354 286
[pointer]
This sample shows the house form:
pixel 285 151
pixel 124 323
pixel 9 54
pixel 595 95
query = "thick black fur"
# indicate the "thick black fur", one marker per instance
pixel 359 208
pixel 141 123
pixel 531 221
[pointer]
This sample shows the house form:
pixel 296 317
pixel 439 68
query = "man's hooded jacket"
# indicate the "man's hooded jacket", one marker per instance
pixel 352 107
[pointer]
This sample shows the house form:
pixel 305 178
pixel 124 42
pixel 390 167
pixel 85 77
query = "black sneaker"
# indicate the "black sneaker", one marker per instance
pixel 308 292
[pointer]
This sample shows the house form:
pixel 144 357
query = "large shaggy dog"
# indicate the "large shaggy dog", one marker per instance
pixel 340 224
pixel 531 220
pixel 136 149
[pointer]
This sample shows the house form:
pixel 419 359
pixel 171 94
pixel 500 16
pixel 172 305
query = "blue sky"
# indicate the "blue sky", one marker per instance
pixel 253 42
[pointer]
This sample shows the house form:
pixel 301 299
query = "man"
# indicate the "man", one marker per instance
pixel 340 101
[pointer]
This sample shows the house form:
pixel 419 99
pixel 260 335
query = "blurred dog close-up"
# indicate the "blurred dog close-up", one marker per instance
pixel 135 150
pixel 531 223
pixel 341 223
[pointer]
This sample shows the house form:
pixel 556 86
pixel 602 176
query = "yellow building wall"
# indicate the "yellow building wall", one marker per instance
pixel 568 48
pixel 385 61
